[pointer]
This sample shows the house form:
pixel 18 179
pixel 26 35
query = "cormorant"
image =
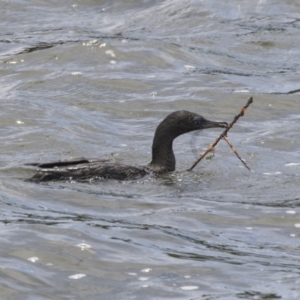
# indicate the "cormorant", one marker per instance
pixel 163 159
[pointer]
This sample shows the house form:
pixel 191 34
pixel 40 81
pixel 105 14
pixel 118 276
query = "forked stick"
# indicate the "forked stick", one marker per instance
pixel 235 152
pixel 222 135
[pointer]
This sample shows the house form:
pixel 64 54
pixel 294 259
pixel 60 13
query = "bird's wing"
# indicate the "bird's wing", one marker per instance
pixel 66 163
pixel 85 171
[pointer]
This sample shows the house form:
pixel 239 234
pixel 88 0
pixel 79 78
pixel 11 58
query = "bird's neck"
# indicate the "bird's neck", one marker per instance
pixel 163 158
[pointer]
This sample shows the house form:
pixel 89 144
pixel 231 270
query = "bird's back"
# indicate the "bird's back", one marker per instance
pixel 86 169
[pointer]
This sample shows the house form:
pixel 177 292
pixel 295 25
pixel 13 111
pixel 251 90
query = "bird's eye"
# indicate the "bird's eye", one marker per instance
pixel 198 121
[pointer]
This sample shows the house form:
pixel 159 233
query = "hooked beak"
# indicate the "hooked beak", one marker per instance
pixel 212 124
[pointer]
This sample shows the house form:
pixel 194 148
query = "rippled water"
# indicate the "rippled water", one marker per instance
pixel 94 78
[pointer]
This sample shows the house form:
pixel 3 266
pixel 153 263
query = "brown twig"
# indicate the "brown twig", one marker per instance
pixel 225 138
pixel 222 135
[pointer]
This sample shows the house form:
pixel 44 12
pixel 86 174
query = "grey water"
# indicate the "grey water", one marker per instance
pixel 94 78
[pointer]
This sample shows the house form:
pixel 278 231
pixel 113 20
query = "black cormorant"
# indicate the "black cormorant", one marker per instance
pixel 163 159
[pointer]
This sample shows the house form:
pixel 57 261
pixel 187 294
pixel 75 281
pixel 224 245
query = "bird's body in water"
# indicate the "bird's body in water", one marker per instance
pixel 163 159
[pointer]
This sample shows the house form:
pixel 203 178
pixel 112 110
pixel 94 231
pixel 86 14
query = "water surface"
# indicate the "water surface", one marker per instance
pixel 94 78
